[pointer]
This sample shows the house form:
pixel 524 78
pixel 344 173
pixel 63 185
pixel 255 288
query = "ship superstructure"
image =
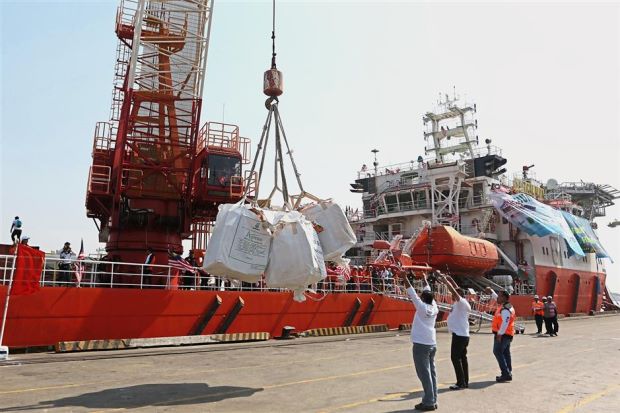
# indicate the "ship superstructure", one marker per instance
pixel 451 185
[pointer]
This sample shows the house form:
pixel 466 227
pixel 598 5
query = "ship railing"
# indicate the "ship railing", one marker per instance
pixel 354 215
pixel 389 236
pixel 394 207
pixel 99 178
pixel 396 168
pixel 487 150
pixel 106 274
pixel 479 200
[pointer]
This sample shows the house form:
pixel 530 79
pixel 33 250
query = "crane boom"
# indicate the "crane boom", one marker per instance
pixel 148 184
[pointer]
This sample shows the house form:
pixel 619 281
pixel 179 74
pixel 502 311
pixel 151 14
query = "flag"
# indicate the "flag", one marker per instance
pixel 28 268
pixel 178 263
pixel 79 266
pixel 344 271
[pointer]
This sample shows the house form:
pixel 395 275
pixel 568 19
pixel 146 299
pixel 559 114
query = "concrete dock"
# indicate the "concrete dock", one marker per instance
pixel 578 371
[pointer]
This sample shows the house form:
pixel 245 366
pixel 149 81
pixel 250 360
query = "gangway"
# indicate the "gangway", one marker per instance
pixel 482 311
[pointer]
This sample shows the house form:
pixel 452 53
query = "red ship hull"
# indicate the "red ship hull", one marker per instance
pixel 65 314
pixel 56 314
pixel 573 291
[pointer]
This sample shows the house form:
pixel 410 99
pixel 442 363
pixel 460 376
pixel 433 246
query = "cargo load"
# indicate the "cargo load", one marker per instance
pixel 240 244
pixel 296 258
pixel 335 232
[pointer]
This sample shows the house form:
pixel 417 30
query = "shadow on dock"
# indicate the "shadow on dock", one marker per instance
pixel 144 395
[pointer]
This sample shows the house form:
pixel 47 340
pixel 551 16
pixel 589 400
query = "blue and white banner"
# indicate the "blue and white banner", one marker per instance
pixel 535 218
pixel 586 237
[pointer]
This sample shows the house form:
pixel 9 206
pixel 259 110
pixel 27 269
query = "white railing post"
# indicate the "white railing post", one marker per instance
pixel 112 276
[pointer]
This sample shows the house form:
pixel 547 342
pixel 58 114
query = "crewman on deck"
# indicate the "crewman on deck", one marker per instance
pixel 64 265
pixel 16 230
pixel 538 309
pixel 147 270
pixel 503 327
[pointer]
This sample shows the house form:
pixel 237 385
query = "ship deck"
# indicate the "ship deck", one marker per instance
pixel 578 371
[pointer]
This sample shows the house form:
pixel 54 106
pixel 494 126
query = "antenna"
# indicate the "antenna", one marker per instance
pixel 375 163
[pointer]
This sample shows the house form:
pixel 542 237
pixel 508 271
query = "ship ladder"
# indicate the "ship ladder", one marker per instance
pixel 475 316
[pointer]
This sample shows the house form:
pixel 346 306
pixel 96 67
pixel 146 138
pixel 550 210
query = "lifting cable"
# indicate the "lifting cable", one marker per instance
pixel 273 89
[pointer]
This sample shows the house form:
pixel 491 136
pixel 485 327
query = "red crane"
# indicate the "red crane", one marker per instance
pixel 156 177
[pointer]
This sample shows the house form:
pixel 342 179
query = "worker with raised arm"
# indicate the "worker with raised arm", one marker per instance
pixel 458 325
pixel 503 327
pixel 423 337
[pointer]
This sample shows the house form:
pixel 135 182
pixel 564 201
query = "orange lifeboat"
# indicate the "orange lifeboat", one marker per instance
pixel 381 245
pixel 445 249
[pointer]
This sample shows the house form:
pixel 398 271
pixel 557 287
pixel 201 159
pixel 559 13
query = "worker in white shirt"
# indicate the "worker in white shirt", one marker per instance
pixel 458 325
pixel 423 337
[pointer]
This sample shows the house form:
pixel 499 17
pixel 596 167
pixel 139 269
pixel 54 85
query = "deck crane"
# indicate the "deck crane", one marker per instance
pixel 157 178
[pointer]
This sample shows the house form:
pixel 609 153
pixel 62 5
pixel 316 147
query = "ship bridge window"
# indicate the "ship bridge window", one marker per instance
pixel 420 199
pixel 391 203
pixel 221 168
pixel 405 200
pixel 478 193
pixel 463 196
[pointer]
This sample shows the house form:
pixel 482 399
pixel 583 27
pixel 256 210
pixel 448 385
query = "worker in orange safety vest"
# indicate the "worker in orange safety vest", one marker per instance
pixel 538 309
pixel 503 327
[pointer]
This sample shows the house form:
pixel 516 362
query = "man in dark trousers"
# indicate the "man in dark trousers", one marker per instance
pixel 538 309
pixel 458 325
pixel 16 230
pixel 65 264
pixel 552 310
pixel 424 339
pixel 503 328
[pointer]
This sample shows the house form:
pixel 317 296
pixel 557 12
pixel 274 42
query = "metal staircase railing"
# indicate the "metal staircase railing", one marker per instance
pixel 480 312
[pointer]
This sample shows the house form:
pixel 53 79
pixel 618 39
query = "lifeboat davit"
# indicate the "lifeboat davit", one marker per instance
pixel 446 249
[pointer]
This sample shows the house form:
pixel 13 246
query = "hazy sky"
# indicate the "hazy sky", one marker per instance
pixel 358 75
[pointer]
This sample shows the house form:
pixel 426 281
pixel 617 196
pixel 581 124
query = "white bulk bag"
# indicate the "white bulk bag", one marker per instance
pixel 335 234
pixel 240 244
pixel 296 259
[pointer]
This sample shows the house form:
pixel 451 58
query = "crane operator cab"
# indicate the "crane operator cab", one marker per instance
pixel 219 177
pixel 222 170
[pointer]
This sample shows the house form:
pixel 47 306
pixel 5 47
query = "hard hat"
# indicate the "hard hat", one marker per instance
pixel 535 296
pixel 25 237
